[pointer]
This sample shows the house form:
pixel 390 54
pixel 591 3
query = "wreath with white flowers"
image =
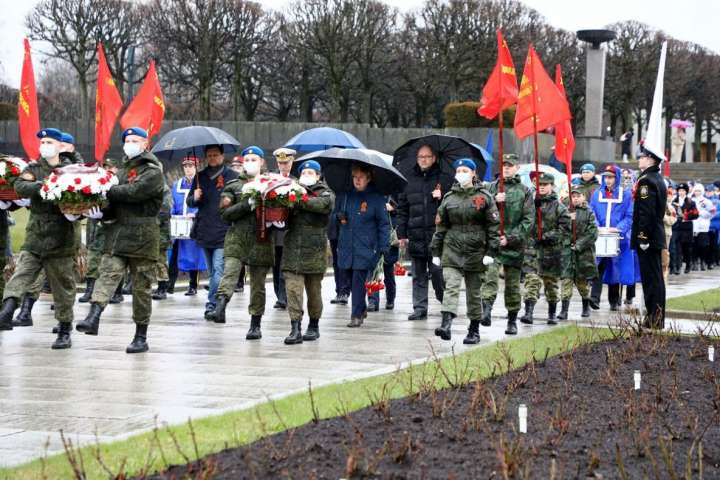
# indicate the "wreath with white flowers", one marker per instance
pixel 78 188
pixel 10 169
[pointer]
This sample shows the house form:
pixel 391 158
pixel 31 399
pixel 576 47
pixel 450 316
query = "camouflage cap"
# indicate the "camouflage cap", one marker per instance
pixel 545 178
pixel 511 159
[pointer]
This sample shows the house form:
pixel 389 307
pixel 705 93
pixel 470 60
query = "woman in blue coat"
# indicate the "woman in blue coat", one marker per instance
pixel 364 236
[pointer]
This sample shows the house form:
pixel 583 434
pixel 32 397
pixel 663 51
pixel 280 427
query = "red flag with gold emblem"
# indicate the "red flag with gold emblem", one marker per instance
pixel 147 109
pixel 564 139
pixel 540 104
pixel 107 106
pixel 28 115
pixel 500 91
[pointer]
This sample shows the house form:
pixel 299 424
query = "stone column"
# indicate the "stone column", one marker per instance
pixel 594 91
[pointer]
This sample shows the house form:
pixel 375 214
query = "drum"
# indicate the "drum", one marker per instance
pixel 607 245
pixel 180 227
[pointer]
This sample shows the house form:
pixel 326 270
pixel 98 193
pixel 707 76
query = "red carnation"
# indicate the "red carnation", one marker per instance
pixel 53 179
pixel 272 195
pixel 45 188
pixel 263 180
pixel 70 188
pixel 292 197
pixel 14 171
pixel 78 180
pixel 102 180
pixel 86 190
pixel 304 197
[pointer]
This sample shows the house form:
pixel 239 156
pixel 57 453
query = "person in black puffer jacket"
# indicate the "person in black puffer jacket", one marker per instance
pixel 417 207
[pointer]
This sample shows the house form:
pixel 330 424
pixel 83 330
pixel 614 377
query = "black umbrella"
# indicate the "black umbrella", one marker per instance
pixel 181 142
pixel 337 162
pixel 448 149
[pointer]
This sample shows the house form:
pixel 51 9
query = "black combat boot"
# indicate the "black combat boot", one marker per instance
pixel 254 333
pixel 511 323
pixel 552 307
pixel 218 315
pixel 118 295
pixel 24 316
pixel 63 337
pixel 486 319
pixel 89 287
pixel 473 336
pixel 585 308
pixel 313 330
pixel 139 343
pixel 527 317
pixel 444 330
pixel 295 336
pixel 6 313
pixel 91 324
pixel 563 315
pixel 161 292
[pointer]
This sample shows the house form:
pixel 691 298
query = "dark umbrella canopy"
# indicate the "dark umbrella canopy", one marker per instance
pixel 322 138
pixel 337 164
pixel 448 149
pixel 180 142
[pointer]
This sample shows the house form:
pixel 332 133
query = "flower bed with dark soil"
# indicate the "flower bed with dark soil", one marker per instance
pixel 585 420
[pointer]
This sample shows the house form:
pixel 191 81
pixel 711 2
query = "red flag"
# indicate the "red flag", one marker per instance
pixel 666 165
pixel 107 106
pixel 564 139
pixel 147 109
pixel 501 89
pixel 28 116
pixel 540 104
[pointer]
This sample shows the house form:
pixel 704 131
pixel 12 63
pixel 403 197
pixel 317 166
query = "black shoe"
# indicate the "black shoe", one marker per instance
pixel 218 314
pixel 238 289
pixel 418 315
pixel 628 301
pixel 614 307
pixel 161 292
pixel 24 317
pixel 373 307
pixel 511 324
pixel 56 328
pixel 444 331
pixel 89 287
pixel 191 291
pixel 170 288
pixel 7 312
pixel 585 308
pixel 139 343
pixel 687 268
pixel 209 309
pixel 390 306
pixel 117 296
pixel 594 303
pixel 254 333
pixel 473 336
pixel 63 337
pixel 355 322
pixel 296 335
pixel 91 324
pixel 527 317
pixel 486 319
pixel 563 315
pixel 280 305
pixel 313 330
pixel 552 308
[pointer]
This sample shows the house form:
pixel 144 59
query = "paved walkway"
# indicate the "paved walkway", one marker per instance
pixel 196 368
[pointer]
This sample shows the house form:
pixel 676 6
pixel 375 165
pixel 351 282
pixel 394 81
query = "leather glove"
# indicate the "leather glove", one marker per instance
pixel 436 261
pixel 71 217
pixel 488 260
pixel 644 246
pixel 5 205
pixel 22 202
pixel 95 213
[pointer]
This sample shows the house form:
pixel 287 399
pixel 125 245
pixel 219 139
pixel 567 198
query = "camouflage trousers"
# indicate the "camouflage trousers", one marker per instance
pixel 582 285
pixel 3 263
pixel 94 257
pixel 294 285
pixel 37 286
pixel 161 271
pixel 257 275
pixel 60 273
pixel 473 291
pixel 112 272
pixel 533 282
pixel 512 286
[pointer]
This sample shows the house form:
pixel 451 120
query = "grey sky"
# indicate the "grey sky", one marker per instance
pixel 693 20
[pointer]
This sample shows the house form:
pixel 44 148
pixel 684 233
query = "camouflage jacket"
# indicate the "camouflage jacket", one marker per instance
pixel 163 220
pixel 241 238
pixel 305 249
pixel 555 227
pixel 579 260
pixel 466 228
pixel 130 221
pixel 94 235
pixel 519 220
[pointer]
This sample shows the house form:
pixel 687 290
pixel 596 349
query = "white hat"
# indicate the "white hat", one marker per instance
pixel 283 154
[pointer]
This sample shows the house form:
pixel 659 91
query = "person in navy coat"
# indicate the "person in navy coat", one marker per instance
pixel 364 236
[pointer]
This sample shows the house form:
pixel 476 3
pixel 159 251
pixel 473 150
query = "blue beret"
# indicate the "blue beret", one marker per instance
pixel 254 151
pixel 140 132
pixel 53 133
pixel 589 167
pixel 312 164
pixel 465 162
pixel 67 138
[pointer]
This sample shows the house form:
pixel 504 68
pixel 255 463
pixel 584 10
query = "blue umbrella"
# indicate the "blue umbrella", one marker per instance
pixel 322 138
pixel 181 142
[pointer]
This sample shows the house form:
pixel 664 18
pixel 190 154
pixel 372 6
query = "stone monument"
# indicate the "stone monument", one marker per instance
pixel 595 79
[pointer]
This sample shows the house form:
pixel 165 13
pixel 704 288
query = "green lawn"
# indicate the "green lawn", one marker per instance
pixel 17 231
pixel 704 301
pixel 232 429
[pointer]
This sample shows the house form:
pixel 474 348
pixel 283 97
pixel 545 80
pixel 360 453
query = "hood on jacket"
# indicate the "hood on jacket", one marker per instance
pixel 699 187
pixel 618 177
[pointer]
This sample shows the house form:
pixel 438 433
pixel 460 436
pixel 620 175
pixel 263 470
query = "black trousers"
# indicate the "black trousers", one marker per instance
pixel 653 284
pixel 173 271
pixel 278 277
pixel 597 285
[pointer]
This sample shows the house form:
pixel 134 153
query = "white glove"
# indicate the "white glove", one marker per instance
pixel 644 246
pixel 5 205
pixel 436 261
pixel 488 260
pixel 71 217
pixel 279 224
pixel 22 202
pixel 251 202
pixel 95 213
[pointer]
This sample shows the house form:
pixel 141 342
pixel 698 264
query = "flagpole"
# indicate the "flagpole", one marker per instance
pixel 501 187
pixel 535 148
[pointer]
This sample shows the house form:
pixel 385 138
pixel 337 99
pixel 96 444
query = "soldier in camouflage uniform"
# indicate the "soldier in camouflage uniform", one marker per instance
pixel 519 219
pixel 165 243
pixel 242 246
pixel 50 243
pixel 579 264
pixel 132 236
pixel 587 182
pixel 465 243
pixel 305 259
pixel 549 247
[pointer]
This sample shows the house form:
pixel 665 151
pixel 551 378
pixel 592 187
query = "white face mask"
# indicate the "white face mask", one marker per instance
pixel 463 178
pixel 252 168
pixel 132 150
pixel 48 151
pixel 308 180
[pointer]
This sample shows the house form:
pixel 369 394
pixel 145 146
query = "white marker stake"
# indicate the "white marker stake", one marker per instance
pixel 522 415
pixel 711 353
pixel 637 379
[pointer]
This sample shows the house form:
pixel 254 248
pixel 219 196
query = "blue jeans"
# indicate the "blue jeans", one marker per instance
pixel 215 261
pixel 359 277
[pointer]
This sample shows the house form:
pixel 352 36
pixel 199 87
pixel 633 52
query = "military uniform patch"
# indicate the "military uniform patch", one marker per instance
pixel 644 191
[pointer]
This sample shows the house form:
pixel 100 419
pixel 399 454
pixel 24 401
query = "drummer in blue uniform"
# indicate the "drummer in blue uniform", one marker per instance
pixel 185 255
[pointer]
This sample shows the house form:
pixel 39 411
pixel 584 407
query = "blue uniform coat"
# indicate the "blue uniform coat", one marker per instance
pixel 365 235
pixel 190 255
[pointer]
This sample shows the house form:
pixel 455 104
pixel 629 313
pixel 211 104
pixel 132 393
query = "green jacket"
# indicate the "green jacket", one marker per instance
pixel 519 220
pixel 555 227
pixel 131 229
pixel 164 220
pixel 241 238
pixel 579 260
pixel 48 232
pixel 305 248
pixel 467 228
